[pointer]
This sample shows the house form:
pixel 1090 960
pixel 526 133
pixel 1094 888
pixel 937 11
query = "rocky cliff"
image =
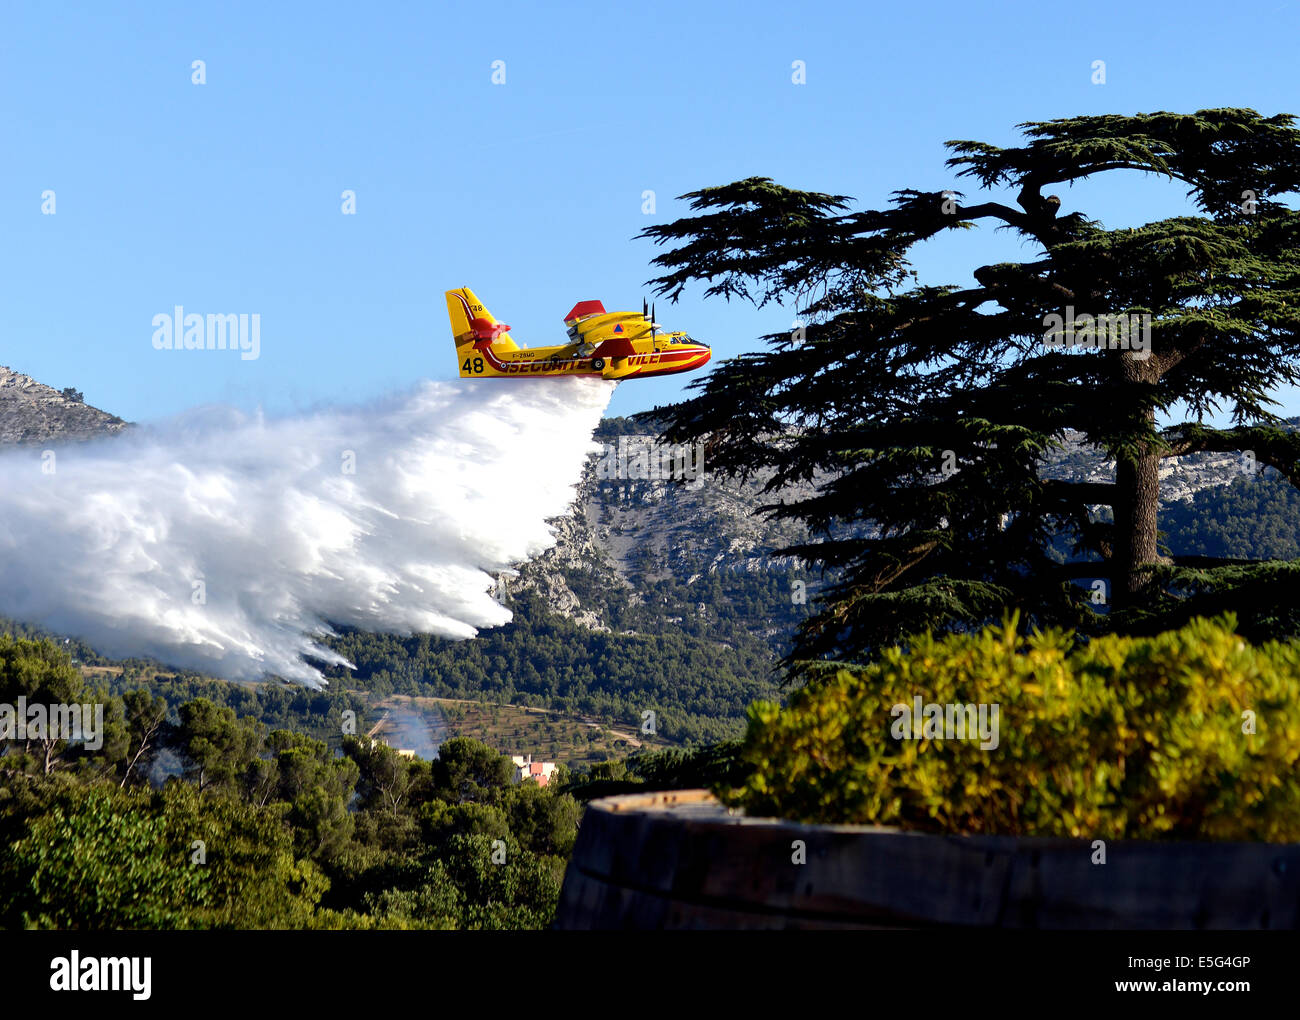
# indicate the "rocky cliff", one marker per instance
pixel 31 412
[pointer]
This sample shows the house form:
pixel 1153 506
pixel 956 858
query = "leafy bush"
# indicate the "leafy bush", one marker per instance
pixel 96 862
pixel 1126 737
pixel 101 858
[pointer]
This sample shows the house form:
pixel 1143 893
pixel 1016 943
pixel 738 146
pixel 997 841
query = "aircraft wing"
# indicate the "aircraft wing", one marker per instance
pixel 583 309
pixel 615 347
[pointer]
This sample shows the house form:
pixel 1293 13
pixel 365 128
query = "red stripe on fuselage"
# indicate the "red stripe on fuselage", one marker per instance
pixel 651 363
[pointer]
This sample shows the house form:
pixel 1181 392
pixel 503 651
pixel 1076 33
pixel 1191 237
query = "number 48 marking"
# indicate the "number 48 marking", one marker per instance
pixel 474 365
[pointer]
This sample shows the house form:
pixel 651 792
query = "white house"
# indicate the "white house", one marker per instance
pixel 526 768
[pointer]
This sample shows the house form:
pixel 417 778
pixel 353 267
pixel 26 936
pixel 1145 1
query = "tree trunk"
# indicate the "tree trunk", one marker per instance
pixel 1137 501
pixel 1135 528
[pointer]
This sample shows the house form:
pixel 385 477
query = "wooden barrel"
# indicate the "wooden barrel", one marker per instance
pixel 679 859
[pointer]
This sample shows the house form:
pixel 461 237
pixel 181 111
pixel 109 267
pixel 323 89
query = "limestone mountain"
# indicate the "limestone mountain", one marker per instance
pixel 31 412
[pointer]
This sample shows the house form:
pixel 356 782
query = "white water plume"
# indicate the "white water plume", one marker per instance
pixel 228 542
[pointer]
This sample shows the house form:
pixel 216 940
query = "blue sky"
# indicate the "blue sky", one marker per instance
pixel 226 197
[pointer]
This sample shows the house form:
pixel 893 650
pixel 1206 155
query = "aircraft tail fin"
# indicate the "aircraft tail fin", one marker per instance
pixel 473 327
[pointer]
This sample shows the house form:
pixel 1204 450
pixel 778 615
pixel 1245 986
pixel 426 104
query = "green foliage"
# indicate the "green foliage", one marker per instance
pixel 98 858
pixel 284 706
pixel 540 820
pixel 672 769
pixel 521 892
pixel 476 885
pixel 612 428
pixel 305 775
pixel 39 671
pixel 146 729
pixel 263 830
pixel 698 681
pixel 218 747
pixel 1136 738
pixel 1253 518
pixel 252 876
pixel 464 847
pixel 467 770
pixel 95 861
pixel 384 777
pixel 1261 596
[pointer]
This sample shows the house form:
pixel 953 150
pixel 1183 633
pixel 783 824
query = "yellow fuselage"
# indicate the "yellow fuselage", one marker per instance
pixel 612 345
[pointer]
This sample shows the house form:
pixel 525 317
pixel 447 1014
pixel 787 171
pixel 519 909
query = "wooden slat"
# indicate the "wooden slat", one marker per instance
pixel 680 860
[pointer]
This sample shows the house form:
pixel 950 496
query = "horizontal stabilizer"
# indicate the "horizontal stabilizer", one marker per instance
pixel 486 331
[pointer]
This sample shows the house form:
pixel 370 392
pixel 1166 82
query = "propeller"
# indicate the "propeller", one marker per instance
pixel 652 320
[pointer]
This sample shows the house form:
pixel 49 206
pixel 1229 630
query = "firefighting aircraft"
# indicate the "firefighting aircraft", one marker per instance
pixel 612 345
